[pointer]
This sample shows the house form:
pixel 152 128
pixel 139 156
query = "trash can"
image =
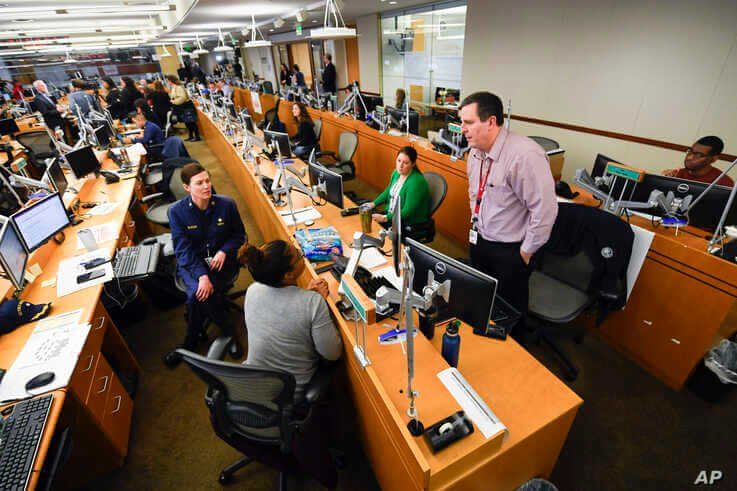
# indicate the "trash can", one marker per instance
pixel 713 379
pixel 537 484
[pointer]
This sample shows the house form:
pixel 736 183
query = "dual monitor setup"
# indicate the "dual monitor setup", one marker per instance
pixel 27 230
pixel 705 214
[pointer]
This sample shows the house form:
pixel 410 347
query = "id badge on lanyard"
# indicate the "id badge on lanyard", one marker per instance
pixel 473 234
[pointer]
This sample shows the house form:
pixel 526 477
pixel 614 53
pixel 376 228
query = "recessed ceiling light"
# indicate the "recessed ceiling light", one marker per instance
pixel 392 3
pixel 22 21
pixel 271 30
pixel 314 21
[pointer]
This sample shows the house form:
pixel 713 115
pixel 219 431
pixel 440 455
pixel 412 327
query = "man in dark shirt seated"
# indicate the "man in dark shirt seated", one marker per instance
pixel 697 166
pixel 152 134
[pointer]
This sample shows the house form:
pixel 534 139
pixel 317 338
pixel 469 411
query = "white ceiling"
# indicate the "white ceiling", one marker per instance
pixel 34 28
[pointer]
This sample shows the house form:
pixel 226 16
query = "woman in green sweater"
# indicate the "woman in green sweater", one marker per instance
pixel 407 183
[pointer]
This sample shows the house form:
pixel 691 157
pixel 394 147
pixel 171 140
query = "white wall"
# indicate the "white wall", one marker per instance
pixel 658 69
pixel 262 63
pixel 369 56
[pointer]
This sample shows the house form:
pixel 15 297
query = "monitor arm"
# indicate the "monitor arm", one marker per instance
pixel 22 182
pixel 454 143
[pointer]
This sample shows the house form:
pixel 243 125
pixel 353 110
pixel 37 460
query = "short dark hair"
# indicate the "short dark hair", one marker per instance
pixel 142 104
pixel 488 105
pixel 79 84
pixel 129 83
pixel 190 170
pixel 173 79
pixel 269 264
pixel 716 144
pixel 329 56
pixel 410 152
pixel 108 81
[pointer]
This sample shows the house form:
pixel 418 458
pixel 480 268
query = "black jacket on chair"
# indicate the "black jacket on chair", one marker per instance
pixel 608 240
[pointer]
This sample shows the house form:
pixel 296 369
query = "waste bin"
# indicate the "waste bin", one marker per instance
pixel 714 378
pixel 537 484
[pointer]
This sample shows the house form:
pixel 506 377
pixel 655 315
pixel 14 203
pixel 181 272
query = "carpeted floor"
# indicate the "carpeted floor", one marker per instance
pixel 631 433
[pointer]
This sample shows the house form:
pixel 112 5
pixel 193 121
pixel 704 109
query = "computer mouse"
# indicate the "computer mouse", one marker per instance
pixel 563 190
pixel 40 380
pixel 110 177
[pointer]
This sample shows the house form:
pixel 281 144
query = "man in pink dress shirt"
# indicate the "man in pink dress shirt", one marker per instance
pixel 512 197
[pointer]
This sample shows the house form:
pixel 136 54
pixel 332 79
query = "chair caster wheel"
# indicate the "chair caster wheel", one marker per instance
pixel 224 478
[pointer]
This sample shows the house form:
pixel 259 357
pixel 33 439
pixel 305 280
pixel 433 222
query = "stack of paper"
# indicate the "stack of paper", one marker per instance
pixel 301 215
pixel 102 233
pixel 54 346
pixel 70 269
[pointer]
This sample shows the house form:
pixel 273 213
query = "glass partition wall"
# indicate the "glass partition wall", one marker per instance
pixel 422 54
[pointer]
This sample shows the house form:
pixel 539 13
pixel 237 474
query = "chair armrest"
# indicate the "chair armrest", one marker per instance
pixel 318 386
pixel 155 165
pixel 150 197
pixel 219 347
pixel 327 153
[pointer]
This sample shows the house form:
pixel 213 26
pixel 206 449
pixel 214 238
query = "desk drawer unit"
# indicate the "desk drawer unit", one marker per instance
pixel 100 388
pixel 82 376
pixel 116 420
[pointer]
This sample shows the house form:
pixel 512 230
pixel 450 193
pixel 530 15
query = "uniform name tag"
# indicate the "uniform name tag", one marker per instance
pixel 473 236
pixel 191 227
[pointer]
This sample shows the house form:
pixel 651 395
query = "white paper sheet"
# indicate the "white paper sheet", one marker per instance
pixel 47 350
pixel 372 258
pixel 69 269
pixel 103 233
pixel 103 209
pixel 640 246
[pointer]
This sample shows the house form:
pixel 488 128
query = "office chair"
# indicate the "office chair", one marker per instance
pixel 38 146
pixel 318 132
pixel 172 147
pixel 158 211
pixel 342 162
pixel 425 232
pixel 170 121
pixel 548 144
pixel 157 174
pixel 253 409
pixel 584 264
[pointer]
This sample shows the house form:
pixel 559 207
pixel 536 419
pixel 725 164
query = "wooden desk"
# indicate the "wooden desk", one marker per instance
pixel 376 154
pixel 536 407
pixel 94 404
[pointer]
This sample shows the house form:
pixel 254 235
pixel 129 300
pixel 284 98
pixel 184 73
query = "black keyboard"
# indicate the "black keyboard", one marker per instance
pixel 19 438
pixel 137 261
pixel 371 284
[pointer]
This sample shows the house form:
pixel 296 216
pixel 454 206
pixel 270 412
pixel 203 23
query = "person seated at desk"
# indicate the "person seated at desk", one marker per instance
pixel 142 107
pixel 697 165
pixel 112 98
pixel 408 183
pixel 225 89
pixel 305 139
pixel 48 108
pixel 152 134
pixel 207 232
pixel 399 97
pixel 289 328
pixel 298 78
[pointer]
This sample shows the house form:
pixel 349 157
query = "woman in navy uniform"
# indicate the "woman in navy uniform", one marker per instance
pixel 207 232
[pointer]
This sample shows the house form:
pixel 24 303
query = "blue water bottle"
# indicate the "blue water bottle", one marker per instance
pixel 451 343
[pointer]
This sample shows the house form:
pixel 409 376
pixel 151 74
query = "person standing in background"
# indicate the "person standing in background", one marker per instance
pixel 329 74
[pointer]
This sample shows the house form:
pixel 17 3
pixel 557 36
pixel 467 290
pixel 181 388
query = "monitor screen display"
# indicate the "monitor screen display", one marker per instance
pixel 56 177
pixel 82 161
pixel 39 222
pixel 8 126
pixel 13 256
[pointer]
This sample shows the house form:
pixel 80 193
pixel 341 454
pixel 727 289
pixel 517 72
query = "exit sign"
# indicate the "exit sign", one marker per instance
pixel 299 29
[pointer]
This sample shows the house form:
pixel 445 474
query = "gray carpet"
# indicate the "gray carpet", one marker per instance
pixel 631 433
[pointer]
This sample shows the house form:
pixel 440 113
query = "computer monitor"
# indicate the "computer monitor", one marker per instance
pixel 333 183
pixel 372 101
pixel 705 214
pixel 20 193
pixel 13 256
pixel 39 222
pixel 103 135
pixel 600 163
pixel 8 127
pixel 55 175
pixel 249 123
pixel 83 161
pixel 279 142
pixel 414 119
pixel 472 292
pixel 395 235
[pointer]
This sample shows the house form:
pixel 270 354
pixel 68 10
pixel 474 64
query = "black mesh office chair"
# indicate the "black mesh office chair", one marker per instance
pixel 425 232
pixel 38 147
pixel 156 174
pixel 158 211
pixel 583 265
pixel 253 410
pixel 342 162
pixel 548 144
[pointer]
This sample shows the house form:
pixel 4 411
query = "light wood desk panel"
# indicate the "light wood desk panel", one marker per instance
pixel 110 437
pixel 537 408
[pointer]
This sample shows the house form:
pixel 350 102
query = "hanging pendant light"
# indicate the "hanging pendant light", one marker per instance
pixel 256 43
pixel 334 30
pixel 165 53
pixel 200 50
pixel 221 43
pixel 69 59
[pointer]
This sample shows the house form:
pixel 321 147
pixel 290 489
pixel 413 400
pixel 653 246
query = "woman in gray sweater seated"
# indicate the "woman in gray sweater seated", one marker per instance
pixel 289 328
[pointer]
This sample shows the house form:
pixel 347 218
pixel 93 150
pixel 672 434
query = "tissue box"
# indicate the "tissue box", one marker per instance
pixel 320 244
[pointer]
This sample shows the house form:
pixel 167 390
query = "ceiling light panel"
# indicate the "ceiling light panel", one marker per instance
pixel 244 9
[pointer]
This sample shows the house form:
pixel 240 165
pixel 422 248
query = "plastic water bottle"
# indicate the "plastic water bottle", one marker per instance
pixel 451 343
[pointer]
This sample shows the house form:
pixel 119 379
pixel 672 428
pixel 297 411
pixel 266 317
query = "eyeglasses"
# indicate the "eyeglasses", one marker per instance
pixel 698 155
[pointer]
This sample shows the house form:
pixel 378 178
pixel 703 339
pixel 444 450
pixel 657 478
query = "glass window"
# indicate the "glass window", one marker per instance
pixel 422 53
